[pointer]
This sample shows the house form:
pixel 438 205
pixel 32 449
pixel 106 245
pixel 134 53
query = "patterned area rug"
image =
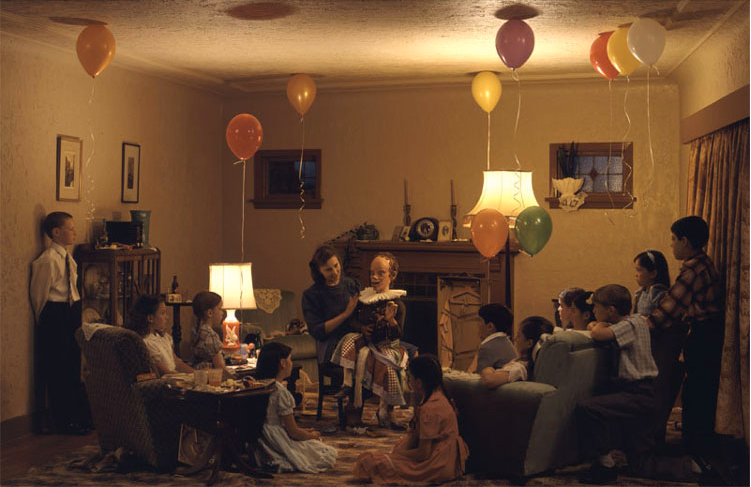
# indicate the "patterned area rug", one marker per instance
pixel 86 467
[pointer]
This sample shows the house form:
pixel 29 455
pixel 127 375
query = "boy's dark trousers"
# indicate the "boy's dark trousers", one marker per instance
pixel 620 418
pixel 58 361
pixel 703 356
pixel 667 344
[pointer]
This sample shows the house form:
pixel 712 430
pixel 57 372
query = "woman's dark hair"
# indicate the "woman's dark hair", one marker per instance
pixel 532 328
pixel 270 359
pixel 202 303
pixel 499 315
pixel 427 368
pixel 653 260
pixel 322 254
pixel 138 319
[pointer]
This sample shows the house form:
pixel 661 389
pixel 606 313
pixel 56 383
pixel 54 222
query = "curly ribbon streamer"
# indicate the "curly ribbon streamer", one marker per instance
pixel 610 154
pixel 90 206
pixel 518 198
pixel 648 187
pixel 299 178
pixel 628 176
pixel 488 142
pixel 242 222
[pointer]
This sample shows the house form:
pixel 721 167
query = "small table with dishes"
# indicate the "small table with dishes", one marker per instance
pixel 232 413
pixel 249 369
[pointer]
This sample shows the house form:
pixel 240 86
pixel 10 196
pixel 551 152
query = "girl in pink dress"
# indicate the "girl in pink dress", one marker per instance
pixel 433 451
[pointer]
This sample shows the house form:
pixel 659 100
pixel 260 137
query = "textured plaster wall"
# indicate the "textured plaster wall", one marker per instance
pixel 45 92
pixel 717 68
pixel 372 141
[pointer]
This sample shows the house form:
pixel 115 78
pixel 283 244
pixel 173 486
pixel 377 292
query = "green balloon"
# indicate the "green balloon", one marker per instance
pixel 533 229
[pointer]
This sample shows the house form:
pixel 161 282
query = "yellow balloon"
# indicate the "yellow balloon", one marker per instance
pixel 301 91
pixel 486 90
pixel 619 54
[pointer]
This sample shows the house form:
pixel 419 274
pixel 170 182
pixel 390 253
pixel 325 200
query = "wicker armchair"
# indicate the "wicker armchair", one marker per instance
pixel 128 413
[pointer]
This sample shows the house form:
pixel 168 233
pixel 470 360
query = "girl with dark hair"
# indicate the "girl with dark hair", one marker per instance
pixel 283 445
pixel 207 345
pixel 432 452
pixel 575 308
pixel 653 278
pixel 148 318
pixel 531 329
pixel 328 305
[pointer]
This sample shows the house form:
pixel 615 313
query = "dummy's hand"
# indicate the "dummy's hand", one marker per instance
pixel 391 309
pixel 351 304
pixel 591 325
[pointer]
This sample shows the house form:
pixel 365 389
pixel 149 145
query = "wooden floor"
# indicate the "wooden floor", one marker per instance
pixel 18 455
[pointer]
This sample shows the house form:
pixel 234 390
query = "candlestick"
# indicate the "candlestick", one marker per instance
pixel 406 197
pixel 452 193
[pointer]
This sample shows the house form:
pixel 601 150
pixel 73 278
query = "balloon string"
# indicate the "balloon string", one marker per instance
pixel 623 147
pixel 90 206
pixel 651 152
pixel 610 154
pixel 299 178
pixel 488 142
pixel 518 197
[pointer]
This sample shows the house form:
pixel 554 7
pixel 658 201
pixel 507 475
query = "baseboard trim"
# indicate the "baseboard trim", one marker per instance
pixel 17 427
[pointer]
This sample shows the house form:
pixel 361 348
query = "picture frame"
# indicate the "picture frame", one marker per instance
pixel 276 182
pixel 397 236
pixel 131 172
pixel 444 230
pixel 69 151
pixel 405 233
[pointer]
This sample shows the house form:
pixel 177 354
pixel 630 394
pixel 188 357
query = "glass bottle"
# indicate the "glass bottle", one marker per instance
pixel 175 288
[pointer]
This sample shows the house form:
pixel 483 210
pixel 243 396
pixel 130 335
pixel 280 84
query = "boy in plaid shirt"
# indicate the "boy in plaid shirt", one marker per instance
pixel 694 302
pixel 621 417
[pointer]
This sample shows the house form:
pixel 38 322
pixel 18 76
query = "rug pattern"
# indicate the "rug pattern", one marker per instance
pixel 86 467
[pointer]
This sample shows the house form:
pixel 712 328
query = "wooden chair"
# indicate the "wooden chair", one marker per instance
pixel 335 374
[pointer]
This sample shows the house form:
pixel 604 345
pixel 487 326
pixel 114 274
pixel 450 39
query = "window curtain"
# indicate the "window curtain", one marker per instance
pixel 718 184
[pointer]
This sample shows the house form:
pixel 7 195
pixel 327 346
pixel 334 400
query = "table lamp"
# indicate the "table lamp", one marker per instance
pixel 234 283
pixel 509 192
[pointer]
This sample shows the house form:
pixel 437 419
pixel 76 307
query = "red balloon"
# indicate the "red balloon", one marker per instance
pixel 244 135
pixel 489 232
pixel 598 56
pixel 514 42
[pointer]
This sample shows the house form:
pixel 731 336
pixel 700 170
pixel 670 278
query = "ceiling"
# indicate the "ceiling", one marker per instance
pixel 237 46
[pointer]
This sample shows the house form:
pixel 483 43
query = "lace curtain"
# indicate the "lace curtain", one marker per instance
pixel 718 186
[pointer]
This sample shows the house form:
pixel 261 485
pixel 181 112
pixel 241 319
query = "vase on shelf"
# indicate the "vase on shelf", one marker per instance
pixel 570 198
pixel 142 216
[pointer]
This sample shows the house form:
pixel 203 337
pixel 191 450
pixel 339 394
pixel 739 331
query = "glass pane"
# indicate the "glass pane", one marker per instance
pixel 601 164
pixel 587 186
pixel 585 165
pixel 616 183
pixel 599 184
pixel 308 175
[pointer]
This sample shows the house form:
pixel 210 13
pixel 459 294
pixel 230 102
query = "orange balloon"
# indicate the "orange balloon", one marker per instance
pixel 489 232
pixel 244 135
pixel 598 56
pixel 301 91
pixel 96 48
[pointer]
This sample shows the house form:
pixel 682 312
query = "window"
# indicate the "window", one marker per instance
pixel 608 185
pixel 277 183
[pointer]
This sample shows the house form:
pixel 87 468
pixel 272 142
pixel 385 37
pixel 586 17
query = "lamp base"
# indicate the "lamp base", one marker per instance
pixel 231 331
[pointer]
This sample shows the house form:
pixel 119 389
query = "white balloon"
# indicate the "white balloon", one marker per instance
pixel 646 40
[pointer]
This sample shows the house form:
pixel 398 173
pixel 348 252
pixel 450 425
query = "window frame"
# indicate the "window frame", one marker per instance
pixel 263 198
pixel 620 200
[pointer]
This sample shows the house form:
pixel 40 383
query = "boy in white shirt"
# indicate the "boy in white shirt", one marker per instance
pixel 57 310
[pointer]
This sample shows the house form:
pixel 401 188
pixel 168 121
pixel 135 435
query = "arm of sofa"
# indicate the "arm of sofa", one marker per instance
pixel 497 423
pixel 303 352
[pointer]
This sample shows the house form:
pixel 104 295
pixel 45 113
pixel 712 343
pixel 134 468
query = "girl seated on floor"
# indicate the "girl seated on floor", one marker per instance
pixel 531 330
pixel 432 452
pixel 148 318
pixel 283 445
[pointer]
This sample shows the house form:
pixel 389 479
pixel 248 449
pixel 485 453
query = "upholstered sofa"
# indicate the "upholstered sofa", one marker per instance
pixel 524 428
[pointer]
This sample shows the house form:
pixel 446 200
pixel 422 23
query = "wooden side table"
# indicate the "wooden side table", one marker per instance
pixel 177 332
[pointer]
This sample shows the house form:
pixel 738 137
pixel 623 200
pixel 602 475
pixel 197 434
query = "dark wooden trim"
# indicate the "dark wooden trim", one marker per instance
pixel 725 111
pixel 263 199
pixel 17 427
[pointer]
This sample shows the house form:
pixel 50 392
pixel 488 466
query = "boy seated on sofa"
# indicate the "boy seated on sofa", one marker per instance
pixel 496 349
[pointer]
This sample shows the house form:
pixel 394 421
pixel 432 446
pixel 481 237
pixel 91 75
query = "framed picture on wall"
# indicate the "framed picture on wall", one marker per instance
pixel 69 150
pixel 131 172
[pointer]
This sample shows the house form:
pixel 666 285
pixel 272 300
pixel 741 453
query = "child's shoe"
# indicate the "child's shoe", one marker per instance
pixel 599 474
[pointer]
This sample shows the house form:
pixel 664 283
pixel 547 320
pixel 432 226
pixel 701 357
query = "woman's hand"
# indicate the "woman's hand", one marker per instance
pixel 351 304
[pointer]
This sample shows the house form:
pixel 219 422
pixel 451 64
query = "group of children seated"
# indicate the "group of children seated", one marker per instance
pixel 648 338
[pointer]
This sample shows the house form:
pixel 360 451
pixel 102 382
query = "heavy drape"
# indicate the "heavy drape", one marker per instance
pixel 718 184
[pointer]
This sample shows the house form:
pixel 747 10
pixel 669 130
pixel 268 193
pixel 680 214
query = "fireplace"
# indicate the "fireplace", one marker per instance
pixel 421 264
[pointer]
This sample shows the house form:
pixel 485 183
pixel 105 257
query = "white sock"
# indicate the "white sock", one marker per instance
pixel 607 461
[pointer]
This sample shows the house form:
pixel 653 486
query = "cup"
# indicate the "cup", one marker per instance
pixel 215 377
pixel 200 377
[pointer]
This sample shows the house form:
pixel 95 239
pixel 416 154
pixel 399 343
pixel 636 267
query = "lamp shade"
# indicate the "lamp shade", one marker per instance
pixel 234 283
pixel 509 192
